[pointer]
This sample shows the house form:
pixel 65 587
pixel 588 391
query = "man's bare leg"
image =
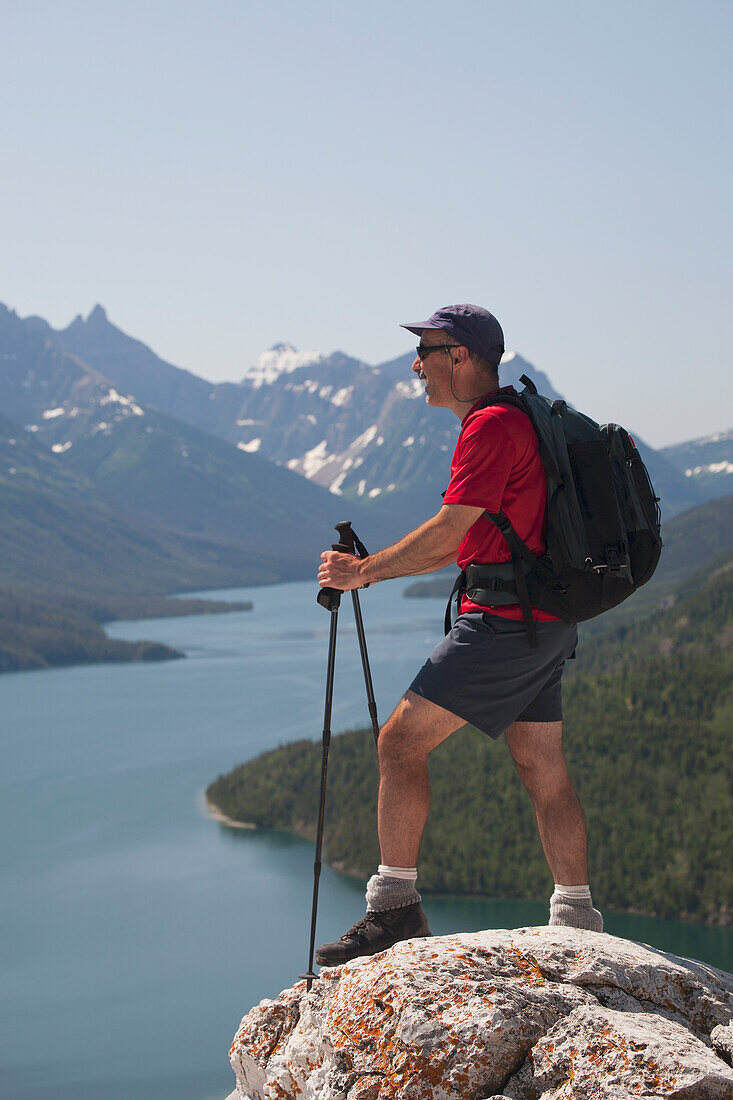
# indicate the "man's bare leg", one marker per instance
pixel 393 904
pixel 536 748
pixel 537 751
pixel 414 729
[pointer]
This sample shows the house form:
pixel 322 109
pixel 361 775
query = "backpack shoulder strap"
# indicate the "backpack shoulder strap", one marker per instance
pixel 520 552
pixel 506 396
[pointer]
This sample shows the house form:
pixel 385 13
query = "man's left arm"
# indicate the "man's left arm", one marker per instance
pixel 429 547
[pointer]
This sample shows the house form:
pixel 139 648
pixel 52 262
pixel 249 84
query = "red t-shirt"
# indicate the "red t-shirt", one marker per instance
pixel 496 466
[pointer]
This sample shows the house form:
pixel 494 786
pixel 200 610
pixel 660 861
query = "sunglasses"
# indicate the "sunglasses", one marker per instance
pixel 423 350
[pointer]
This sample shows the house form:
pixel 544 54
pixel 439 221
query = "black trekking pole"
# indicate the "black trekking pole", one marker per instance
pixel 330 598
pixel 356 546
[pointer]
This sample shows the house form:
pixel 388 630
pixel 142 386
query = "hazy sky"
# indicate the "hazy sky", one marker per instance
pixel 223 175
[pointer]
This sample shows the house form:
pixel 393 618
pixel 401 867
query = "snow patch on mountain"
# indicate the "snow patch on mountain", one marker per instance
pixel 52 414
pixel 711 468
pixel 410 389
pixel 251 447
pixel 335 486
pixel 315 459
pixel 365 438
pixel 278 360
pixel 115 398
pixel 341 397
pixel 716 437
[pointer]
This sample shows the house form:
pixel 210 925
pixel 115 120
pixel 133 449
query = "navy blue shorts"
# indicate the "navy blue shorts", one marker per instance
pixel 485 672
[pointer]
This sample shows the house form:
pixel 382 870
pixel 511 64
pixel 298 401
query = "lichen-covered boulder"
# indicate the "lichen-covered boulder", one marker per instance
pixel 534 1013
pixel 601 1054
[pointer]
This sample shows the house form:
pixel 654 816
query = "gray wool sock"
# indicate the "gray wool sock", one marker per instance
pixel 574 913
pixel 391 892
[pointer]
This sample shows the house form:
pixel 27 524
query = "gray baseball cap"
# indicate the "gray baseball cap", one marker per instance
pixel 472 326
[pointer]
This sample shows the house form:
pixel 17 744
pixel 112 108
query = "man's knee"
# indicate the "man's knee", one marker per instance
pixel 413 730
pixel 398 740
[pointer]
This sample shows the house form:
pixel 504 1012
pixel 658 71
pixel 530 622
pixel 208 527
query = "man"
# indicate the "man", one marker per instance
pixel 484 672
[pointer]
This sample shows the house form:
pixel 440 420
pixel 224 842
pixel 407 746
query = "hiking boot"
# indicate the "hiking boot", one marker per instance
pixel 375 932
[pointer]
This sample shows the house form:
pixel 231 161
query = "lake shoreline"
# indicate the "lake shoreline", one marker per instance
pixel 215 814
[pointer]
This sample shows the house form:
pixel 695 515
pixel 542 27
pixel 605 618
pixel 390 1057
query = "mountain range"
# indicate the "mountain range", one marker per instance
pixel 171 481
pixel 91 444
pixel 363 432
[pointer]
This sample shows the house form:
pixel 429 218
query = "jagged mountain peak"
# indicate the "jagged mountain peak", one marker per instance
pixel 96 319
pixel 98 314
pixel 282 358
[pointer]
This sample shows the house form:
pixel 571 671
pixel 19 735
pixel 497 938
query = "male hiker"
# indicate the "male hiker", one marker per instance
pixel 484 672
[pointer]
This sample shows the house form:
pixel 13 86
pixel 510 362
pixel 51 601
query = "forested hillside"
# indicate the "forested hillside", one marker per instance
pixel 46 632
pixel 49 629
pixel 648 718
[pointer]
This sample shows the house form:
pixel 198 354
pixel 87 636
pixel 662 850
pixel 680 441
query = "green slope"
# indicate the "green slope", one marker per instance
pixel 68 562
pixel 155 469
pixel 648 715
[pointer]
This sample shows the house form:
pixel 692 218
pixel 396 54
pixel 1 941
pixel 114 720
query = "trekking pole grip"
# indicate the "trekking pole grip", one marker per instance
pixel 346 538
pixel 350 538
pixel 330 598
pixel 349 543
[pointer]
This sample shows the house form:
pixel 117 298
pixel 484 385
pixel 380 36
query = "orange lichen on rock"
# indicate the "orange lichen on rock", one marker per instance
pixel 597 1052
pixel 465 1017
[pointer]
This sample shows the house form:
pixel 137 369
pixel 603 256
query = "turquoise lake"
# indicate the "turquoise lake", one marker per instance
pixel 135 931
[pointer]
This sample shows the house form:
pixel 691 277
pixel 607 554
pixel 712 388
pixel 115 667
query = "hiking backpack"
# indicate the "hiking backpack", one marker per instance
pixel 602 521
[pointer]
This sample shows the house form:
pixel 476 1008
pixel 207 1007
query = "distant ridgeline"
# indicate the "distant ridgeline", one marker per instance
pixel 124 477
pixel 648 713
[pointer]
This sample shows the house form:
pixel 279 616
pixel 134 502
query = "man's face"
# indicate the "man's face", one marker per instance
pixel 435 369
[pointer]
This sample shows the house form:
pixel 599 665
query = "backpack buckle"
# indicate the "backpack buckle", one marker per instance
pixel 501 521
pixel 613 557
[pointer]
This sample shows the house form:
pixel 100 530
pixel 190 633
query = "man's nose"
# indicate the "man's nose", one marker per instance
pixel 417 364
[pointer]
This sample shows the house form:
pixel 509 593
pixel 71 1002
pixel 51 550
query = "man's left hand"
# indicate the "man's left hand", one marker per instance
pixel 340 571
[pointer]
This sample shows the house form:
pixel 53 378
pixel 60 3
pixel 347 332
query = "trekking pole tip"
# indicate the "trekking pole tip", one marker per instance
pixel 310 978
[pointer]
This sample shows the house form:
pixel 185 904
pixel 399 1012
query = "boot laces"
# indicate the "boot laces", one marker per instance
pixel 360 926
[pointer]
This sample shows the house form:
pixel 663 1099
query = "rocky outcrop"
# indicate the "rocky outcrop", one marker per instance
pixel 550 1013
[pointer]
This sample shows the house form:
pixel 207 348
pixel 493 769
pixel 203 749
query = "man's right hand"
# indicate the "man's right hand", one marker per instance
pixel 341 571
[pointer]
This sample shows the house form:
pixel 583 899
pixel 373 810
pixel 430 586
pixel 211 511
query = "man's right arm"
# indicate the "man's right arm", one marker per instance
pixel 427 548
